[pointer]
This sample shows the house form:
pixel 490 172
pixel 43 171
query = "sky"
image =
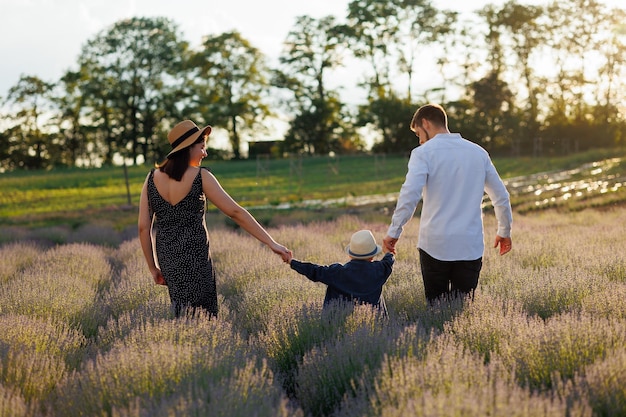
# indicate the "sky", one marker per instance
pixel 44 37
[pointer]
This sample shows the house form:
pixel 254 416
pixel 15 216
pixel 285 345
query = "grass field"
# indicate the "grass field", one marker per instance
pixel 78 197
pixel 85 332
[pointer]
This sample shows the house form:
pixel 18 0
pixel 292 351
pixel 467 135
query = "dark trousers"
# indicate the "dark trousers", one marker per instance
pixel 448 278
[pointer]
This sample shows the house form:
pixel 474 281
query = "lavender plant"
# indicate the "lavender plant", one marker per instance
pixel 84 330
pixel 62 283
pixel 15 258
pixel 450 381
pixel 603 384
pixel 13 404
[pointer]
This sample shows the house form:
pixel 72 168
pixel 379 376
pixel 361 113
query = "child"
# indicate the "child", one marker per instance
pixel 359 280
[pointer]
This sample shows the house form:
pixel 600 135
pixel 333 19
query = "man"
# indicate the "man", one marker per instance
pixel 452 174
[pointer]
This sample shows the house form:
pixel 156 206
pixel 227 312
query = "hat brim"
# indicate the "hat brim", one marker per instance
pixel 205 131
pixel 375 252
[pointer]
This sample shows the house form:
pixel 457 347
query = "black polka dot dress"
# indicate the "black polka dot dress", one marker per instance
pixel 182 248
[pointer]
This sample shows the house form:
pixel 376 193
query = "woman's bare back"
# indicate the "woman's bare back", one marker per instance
pixel 171 190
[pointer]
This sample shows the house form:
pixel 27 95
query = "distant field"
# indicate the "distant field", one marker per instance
pixel 76 197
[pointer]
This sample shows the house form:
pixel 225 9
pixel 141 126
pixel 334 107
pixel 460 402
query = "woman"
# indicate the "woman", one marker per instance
pixel 174 197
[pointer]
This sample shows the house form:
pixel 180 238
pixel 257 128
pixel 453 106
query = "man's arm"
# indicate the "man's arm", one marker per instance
pixel 499 196
pixel 410 196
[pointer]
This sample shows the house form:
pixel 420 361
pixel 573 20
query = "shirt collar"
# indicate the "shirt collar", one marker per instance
pixel 447 136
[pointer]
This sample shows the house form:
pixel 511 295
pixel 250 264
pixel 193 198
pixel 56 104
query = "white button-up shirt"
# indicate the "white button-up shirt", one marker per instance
pixel 453 175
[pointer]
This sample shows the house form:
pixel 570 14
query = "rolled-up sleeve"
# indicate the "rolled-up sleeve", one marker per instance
pixel 410 193
pixel 500 198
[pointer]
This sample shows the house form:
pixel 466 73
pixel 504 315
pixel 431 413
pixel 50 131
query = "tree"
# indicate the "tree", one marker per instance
pixel 128 74
pixel 577 31
pixel 312 48
pixel 459 59
pixel 28 144
pixel 230 80
pixel 420 25
pixel 526 34
pixel 390 35
pixel 72 139
pixel 611 75
pixel 392 116
pixel 371 29
pixel 493 113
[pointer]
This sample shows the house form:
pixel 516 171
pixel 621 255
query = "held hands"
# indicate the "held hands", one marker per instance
pixel 289 258
pixel 284 253
pixel 505 244
pixel 389 244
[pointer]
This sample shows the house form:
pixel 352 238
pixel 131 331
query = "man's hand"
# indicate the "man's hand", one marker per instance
pixel 505 244
pixel 389 243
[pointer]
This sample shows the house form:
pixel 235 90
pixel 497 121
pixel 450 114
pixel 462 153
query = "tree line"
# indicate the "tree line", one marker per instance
pixel 517 79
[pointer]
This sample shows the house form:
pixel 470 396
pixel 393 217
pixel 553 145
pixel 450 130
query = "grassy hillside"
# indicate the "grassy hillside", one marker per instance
pixel 75 197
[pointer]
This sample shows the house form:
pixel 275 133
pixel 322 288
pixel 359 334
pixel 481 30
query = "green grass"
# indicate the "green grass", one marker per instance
pixel 75 197
pixel 514 167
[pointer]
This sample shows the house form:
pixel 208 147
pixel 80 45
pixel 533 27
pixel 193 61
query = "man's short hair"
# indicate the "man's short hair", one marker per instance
pixel 431 112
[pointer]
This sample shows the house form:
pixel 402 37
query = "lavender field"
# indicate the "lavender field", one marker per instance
pixel 85 332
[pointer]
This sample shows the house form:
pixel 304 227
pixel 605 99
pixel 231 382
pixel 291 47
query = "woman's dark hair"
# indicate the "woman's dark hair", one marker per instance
pixel 177 163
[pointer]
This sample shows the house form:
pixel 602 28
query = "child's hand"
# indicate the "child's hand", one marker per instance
pixel 386 249
pixel 288 258
pixel 389 244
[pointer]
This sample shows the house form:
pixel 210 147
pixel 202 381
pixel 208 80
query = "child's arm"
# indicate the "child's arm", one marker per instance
pixel 315 272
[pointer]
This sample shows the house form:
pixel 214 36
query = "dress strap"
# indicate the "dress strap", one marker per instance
pixel 206 200
pixel 150 211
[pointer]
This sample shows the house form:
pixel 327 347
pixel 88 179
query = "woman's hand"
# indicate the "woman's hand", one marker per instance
pixel 284 253
pixel 158 277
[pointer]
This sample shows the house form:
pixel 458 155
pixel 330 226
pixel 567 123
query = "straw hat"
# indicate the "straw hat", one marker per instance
pixel 184 134
pixel 363 245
